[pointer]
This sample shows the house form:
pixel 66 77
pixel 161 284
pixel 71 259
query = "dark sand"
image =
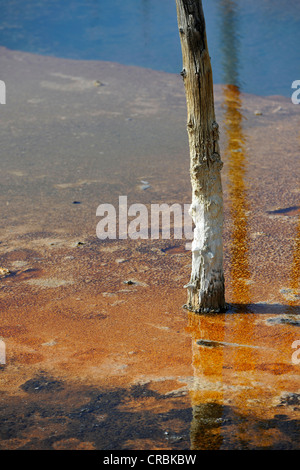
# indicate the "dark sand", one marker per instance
pixel 93 362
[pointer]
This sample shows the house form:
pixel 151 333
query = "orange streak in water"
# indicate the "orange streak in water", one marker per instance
pixel 236 154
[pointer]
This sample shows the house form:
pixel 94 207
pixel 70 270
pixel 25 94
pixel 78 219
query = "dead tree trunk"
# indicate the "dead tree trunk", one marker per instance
pixel 206 286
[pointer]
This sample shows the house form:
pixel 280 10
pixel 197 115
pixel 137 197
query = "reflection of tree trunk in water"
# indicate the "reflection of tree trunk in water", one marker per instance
pixel 236 327
pixel 235 151
pixel 295 271
pixel 206 286
pixel 239 266
pixel 295 275
pixel 146 21
pixel 207 395
pixel 205 427
pixel 229 42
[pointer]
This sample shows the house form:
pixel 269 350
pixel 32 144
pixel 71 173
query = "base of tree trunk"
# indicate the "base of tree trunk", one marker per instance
pixel 206 289
pixel 190 306
pixel 209 299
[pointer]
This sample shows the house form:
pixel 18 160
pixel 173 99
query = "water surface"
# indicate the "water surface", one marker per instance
pixel 258 36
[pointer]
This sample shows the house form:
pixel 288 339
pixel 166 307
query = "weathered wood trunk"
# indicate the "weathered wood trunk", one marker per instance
pixel 206 286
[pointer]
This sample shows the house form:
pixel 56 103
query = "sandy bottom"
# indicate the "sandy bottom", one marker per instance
pixel 99 352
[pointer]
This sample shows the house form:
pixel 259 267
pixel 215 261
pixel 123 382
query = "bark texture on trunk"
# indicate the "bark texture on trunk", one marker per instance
pixel 206 286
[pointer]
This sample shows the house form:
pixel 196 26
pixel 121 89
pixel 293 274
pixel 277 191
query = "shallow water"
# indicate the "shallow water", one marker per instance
pixel 257 38
pixel 100 353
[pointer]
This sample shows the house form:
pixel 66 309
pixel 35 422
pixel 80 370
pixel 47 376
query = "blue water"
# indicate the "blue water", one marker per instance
pixel 253 43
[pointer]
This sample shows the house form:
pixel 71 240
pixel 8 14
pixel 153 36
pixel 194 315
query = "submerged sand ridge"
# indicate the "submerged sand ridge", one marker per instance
pixel 99 352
